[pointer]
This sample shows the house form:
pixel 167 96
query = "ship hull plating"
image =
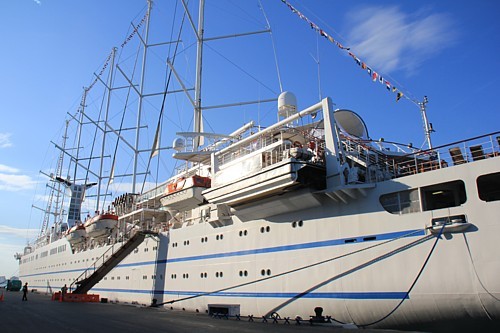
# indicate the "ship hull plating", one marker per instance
pixel 360 263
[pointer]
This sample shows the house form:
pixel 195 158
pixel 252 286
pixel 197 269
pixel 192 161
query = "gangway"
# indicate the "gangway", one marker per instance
pixel 87 282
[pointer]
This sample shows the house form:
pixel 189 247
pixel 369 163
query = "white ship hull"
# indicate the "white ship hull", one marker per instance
pixel 459 280
pixel 305 212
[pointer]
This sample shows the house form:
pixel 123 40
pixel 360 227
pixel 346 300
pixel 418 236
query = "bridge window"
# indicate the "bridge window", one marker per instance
pixel 443 195
pixel 488 187
pixel 402 202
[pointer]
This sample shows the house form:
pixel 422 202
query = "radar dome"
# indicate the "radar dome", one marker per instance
pixel 287 104
pixel 351 123
pixel 179 144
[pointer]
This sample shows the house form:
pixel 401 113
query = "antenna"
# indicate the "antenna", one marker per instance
pixel 274 45
pixel 427 126
pixel 316 60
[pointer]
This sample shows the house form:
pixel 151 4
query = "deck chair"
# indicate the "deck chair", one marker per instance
pixel 477 152
pixel 456 156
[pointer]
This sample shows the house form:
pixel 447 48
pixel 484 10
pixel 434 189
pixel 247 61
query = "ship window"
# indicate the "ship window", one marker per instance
pixel 402 202
pixel 488 187
pixel 444 195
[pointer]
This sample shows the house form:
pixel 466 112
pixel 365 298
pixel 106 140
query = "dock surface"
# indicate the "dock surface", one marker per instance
pixel 41 314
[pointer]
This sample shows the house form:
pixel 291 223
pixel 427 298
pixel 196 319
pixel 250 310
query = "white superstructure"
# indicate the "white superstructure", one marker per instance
pixel 299 215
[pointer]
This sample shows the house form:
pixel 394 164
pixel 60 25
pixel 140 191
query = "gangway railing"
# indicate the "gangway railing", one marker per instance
pixel 106 262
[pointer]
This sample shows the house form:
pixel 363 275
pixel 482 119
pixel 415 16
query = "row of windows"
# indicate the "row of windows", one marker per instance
pixel 442 195
pixel 204 275
pixel 53 251
pixel 242 233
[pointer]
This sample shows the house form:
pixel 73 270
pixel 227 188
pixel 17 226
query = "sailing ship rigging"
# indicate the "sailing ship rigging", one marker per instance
pixel 305 212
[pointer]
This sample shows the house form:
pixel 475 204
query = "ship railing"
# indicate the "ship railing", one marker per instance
pixel 384 163
pixel 92 267
pixel 377 165
pixel 453 154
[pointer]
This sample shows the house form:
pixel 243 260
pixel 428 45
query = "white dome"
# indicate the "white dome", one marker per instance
pixel 179 144
pixel 287 105
pixel 287 100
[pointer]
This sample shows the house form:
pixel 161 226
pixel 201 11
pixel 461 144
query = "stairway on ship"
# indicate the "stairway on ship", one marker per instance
pixel 84 285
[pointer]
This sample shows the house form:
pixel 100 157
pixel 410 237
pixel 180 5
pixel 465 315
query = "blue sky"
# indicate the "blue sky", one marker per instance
pixel 446 51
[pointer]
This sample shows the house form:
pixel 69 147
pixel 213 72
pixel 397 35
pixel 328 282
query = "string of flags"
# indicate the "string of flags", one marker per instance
pixel 375 76
pixel 108 59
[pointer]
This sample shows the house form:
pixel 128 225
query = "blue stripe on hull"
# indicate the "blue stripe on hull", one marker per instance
pixel 326 295
pixel 284 248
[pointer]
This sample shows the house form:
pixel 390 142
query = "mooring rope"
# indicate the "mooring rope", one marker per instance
pixel 293 270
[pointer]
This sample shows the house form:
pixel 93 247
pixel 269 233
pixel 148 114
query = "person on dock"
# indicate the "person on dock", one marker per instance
pixel 64 290
pixel 25 292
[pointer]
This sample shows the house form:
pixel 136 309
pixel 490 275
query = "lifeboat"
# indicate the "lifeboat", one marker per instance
pixel 101 224
pixel 185 193
pixel 76 234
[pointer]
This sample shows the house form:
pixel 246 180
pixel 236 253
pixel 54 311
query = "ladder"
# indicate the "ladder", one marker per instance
pixel 83 285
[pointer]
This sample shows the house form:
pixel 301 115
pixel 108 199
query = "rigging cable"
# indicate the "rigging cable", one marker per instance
pixel 274 45
pixel 160 117
pixel 111 176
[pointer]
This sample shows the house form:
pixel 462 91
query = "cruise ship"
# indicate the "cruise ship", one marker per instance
pixel 306 213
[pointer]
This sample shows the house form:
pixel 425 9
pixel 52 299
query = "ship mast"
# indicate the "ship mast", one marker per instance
pixel 198 119
pixel 49 211
pixel 141 96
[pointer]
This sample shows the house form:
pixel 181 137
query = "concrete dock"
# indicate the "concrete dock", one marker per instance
pixel 41 314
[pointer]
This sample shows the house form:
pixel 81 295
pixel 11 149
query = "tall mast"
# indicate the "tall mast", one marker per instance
pixel 141 91
pixel 55 189
pixel 80 124
pixel 197 93
pixel 108 102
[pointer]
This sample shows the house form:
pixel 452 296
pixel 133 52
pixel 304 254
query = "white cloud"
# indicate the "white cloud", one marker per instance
pixel 6 168
pixel 388 39
pixel 5 140
pixel 38 2
pixel 10 182
pixel 17 232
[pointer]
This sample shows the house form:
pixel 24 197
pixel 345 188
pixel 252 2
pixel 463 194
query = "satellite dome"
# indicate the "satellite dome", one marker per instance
pixel 287 104
pixel 351 123
pixel 179 144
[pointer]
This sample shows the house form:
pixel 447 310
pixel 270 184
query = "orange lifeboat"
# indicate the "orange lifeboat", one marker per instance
pixel 76 234
pixel 185 193
pixel 101 224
